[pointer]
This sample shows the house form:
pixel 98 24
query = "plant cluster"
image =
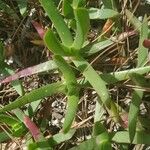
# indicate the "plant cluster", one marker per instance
pixel 74 53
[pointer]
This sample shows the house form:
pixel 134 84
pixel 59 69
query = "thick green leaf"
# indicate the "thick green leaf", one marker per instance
pixel 61 137
pixel 141 137
pixel 67 8
pixel 58 21
pixel 105 145
pixel 54 140
pixel 82 18
pixel 78 3
pixel 142 51
pixel 72 106
pixel 86 145
pixel 68 73
pixel 72 94
pixel 98 129
pixel 98 84
pixel 97 143
pixel 34 95
pixel 96 13
pixel 102 141
pixel 53 44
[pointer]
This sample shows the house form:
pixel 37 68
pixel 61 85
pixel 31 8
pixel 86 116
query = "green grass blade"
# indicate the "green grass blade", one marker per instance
pixel 72 94
pixel 96 13
pixel 133 112
pixel 34 95
pixel 17 128
pixel 11 121
pixel 134 21
pixel 83 24
pixel 58 21
pixel 135 103
pixel 139 80
pixel 142 51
